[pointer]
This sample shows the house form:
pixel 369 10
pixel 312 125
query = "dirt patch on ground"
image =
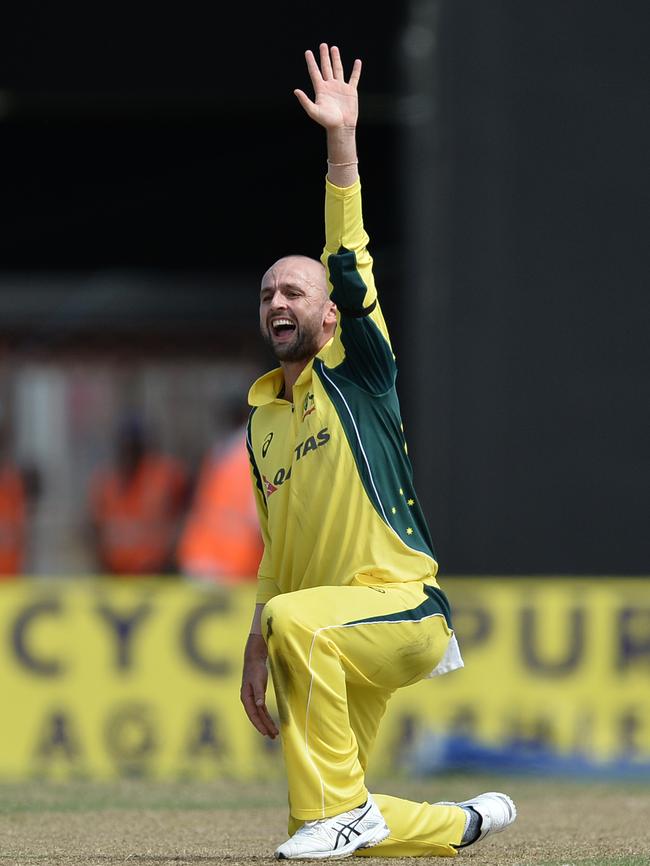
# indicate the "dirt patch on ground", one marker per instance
pixel 557 826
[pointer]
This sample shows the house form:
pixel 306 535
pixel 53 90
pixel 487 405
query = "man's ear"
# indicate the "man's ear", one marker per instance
pixel 330 314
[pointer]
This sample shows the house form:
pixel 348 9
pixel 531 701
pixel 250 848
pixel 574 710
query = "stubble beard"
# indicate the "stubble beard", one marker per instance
pixel 303 347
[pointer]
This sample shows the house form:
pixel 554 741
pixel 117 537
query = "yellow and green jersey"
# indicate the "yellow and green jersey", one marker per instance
pixel 332 478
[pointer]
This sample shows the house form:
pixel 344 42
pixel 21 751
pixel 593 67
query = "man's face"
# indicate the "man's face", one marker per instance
pixel 297 317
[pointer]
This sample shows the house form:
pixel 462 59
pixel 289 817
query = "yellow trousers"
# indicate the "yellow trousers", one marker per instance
pixel 336 655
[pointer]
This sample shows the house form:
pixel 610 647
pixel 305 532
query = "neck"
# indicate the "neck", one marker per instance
pixel 291 370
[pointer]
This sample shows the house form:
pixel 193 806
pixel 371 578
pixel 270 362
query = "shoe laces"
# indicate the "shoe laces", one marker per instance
pixel 320 825
pixel 312 828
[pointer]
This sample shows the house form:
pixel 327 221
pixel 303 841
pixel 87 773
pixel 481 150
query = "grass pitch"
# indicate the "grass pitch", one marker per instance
pixel 143 822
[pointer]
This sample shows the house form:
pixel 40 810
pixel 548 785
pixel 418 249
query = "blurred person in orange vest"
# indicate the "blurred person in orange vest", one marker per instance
pixel 13 508
pixel 136 506
pixel 221 541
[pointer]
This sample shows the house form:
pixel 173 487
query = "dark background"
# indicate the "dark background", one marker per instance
pixel 163 147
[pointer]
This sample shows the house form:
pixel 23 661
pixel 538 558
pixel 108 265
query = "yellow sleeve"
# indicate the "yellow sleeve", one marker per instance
pixel 344 229
pixel 361 345
pixel 266 585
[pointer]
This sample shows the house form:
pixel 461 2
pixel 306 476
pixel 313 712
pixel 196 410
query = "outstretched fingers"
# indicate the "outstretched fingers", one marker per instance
pixel 325 61
pixel 331 67
pixel 313 69
pixel 355 75
pixel 337 66
pixel 334 103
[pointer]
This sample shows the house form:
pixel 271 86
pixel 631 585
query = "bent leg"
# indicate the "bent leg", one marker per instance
pixel 366 708
pixel 320 748
pixel 323 643
pixel 417 829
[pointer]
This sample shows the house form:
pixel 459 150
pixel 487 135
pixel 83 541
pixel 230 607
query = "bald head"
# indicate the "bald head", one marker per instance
pixel 297 316
pixel 302 269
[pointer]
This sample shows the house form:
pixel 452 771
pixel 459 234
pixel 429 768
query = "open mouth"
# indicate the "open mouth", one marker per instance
pixel 282 327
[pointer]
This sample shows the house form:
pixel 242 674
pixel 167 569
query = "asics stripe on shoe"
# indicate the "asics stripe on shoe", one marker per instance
pixel 338 836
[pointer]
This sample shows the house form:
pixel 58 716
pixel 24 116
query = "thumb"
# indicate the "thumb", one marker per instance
pixel 307 104
pixel 259 693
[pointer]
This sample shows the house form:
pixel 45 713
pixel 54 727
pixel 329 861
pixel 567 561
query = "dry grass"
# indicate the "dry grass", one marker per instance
pixel 559 824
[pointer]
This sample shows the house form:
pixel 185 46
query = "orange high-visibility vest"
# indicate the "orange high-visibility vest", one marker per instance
pixel 137 519
pixel 12 521
pixel 221 540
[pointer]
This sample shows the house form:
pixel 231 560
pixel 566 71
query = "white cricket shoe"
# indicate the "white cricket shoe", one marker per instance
pixel 338 836
pixel 497 812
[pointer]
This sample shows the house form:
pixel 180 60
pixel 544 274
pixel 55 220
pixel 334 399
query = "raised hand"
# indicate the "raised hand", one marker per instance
pixel 335 104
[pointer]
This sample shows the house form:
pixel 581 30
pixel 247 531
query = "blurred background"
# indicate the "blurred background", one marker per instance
pixel 155 162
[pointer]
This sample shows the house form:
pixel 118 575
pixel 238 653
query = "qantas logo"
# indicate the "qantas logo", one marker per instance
pixel 270 488
pixel 311 443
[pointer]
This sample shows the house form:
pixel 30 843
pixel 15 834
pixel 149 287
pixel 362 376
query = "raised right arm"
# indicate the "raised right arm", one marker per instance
pixel 335 107
pixel 361 348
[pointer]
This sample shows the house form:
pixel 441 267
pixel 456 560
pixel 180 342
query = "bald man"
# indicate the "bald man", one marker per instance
pixel 348 607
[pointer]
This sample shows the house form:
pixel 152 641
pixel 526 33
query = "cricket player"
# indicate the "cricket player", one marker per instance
pixel 348 608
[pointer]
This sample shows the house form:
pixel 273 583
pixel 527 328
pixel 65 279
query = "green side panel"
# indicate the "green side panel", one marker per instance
pixel 369 358
pixel 348 288
pixel 435 604
pixel 251 455
pixel 373 428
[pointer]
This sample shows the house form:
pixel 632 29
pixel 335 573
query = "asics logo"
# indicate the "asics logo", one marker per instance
pixel 345 831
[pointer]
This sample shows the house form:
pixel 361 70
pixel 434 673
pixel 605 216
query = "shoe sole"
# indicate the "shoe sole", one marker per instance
pixel 374 837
